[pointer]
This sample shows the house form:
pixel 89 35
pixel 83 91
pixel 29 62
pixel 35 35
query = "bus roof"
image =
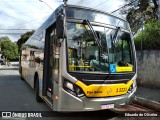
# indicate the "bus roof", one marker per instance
pixel 52 18
pixel 100 11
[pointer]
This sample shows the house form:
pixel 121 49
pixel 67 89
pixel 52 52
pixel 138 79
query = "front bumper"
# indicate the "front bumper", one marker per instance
pixel 71 103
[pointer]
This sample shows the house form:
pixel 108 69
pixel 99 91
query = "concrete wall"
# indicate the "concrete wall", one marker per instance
pixel 148 62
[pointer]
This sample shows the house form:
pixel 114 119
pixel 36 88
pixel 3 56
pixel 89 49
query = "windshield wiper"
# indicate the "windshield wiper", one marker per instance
pixel 115 36
pixel 96 37
pixel 93 32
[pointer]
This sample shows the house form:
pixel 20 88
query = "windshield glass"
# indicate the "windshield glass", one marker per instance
pixel 84 54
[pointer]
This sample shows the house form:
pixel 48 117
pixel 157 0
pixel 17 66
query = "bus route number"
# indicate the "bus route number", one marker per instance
pixel 121 89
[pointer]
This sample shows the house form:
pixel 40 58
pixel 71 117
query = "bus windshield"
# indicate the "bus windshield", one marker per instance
pixel 84 53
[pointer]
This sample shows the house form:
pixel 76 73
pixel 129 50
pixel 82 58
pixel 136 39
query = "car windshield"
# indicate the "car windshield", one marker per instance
pixel 84 53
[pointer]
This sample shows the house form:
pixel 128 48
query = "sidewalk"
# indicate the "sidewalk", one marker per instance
pixel 148 93
pixel 147 97
pixel 11 65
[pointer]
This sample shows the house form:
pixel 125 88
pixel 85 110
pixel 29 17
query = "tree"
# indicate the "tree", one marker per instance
pixel 139 12
pixel 8 48
pixel 24 38
pixel 149 36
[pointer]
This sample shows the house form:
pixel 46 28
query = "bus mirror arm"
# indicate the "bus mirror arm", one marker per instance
pixel 59 41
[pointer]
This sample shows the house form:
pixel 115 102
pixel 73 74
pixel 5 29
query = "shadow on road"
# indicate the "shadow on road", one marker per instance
pixel 17 95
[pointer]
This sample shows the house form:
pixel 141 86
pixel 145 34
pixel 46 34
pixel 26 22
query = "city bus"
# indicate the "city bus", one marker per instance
pixel 81 59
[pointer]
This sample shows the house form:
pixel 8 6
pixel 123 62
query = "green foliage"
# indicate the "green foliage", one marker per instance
pixel 139 12
pixel 24 38
pixel 150 36
pixel 8 48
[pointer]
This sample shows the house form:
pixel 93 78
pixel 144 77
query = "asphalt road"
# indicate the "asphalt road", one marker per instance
pixel 17 95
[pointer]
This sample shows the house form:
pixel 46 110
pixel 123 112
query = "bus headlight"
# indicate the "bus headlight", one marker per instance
pixel 72 88
pixel 79 91
pixel 132 86
pixel 69 85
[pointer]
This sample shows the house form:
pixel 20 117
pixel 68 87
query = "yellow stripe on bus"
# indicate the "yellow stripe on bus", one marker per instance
pixel 104 90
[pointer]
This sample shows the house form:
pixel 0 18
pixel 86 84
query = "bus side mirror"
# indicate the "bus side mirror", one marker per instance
pixel 59 27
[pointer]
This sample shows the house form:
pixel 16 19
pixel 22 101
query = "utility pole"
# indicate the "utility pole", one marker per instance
pixel 158 9
pixel 0 56
pixel 0 53
pixel 142 38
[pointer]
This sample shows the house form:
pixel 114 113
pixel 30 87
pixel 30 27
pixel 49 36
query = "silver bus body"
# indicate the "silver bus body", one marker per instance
pixel 65 87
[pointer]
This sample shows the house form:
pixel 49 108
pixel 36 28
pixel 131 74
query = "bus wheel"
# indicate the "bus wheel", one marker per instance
pixel 21 75
pixel 38 98
pixel 22 78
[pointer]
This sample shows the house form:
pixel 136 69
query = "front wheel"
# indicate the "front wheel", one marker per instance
pixel 38 98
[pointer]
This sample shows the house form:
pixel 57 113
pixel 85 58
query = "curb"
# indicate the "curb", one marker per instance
pixel 8 67
pixel 147 103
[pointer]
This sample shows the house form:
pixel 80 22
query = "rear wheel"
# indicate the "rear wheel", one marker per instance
pixel 21 74
pixel 38 98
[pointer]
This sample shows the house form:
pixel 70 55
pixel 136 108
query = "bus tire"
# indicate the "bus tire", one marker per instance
pixel 22 78
pixel 38 98
pixel 21 75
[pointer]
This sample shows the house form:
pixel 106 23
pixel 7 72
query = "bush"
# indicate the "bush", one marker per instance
pixel 150 36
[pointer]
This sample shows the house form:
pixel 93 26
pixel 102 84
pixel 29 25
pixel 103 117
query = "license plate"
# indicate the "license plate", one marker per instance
pixel 108 106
